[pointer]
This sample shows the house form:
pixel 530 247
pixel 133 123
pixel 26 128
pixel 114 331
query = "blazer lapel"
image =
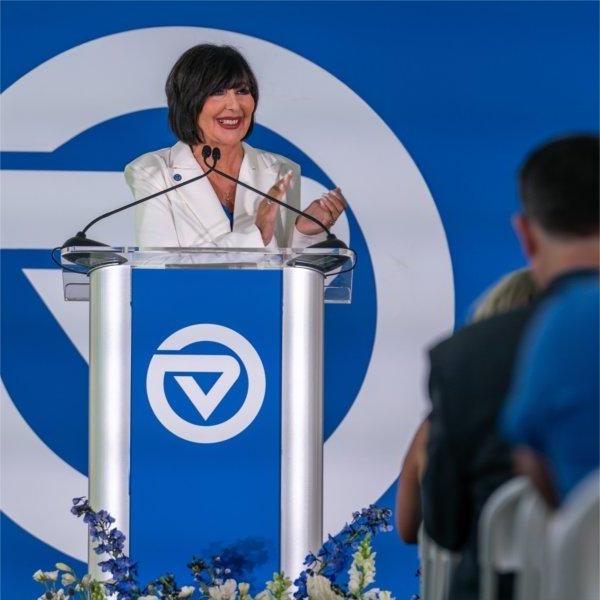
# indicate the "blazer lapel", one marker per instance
pixel 199 197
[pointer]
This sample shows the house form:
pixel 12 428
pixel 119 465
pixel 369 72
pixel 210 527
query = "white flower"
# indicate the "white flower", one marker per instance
pixel 319 588
pixel 264 595
pixel 51 575
pixel 39 576
pixel 371 594
pixel 148 598
pixel 62 567
pixel 243 588
pixel 67 579
pixel 385 596
pixel 86 580
pixel 279 586
pixel 186 591
pixel 227 591
pixel 362 569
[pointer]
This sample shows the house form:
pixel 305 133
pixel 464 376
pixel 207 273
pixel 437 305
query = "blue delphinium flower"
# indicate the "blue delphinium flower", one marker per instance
pixel 233 562
pixel 335 556
pixel 300 583
pixel 310 559
pixel 110 541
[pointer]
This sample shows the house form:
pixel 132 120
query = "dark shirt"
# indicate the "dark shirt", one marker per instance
pixel 229 214
pixel 467 459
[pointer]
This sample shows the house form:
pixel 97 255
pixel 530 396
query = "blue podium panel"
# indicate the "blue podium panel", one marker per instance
pixel 205 416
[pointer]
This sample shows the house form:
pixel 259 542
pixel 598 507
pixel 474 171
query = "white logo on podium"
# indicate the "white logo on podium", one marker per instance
pixel 206 402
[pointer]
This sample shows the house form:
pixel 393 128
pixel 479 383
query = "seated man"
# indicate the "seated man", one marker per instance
pixel 471 371
pixel 553 412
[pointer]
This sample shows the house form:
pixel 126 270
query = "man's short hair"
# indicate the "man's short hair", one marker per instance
pixel 559 186
pixel 198 73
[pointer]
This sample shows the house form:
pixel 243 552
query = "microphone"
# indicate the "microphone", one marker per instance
pixel 322 263
pixel 80 239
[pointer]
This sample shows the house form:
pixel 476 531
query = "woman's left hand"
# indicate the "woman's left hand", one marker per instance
pixel 326 209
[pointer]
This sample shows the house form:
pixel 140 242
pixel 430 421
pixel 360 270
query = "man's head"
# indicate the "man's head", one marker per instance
pixel 559 226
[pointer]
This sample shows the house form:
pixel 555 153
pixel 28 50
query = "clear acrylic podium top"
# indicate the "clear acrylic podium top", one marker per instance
pixel 336 264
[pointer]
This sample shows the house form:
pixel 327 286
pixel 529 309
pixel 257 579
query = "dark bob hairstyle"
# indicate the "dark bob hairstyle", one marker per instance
pixel 198 73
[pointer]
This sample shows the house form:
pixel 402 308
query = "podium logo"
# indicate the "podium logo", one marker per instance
pixel 206 403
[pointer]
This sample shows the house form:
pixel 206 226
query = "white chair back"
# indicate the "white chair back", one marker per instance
pixel 531 525
pixel 437 568
pixel 499 551
pixel 572 549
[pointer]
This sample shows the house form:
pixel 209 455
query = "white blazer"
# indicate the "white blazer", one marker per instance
pixel 193 215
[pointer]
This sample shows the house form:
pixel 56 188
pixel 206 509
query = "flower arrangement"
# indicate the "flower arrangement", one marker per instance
pixel 343 569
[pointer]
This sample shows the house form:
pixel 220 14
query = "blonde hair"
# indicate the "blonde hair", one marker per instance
pixel 515 290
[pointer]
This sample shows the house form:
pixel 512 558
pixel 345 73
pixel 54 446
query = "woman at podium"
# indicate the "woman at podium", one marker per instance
pixel 212 96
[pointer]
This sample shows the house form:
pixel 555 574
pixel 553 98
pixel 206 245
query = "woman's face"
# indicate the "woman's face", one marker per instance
pixel 226 116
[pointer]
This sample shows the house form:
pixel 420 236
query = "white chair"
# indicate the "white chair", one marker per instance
pixel 531 525
pixel 572 546
pixel 437 568
pixel 499 550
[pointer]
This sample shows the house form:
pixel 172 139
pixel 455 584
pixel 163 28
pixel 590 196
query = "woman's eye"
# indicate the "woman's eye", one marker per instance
pixel 218 93
pixel 243 91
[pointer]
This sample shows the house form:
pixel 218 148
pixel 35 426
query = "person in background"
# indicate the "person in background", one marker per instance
pixel 515 290
pixel 471 371
pixel 552 415
pixel 212 95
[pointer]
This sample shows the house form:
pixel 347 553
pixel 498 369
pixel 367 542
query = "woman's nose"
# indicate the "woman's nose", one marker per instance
pixel 231 100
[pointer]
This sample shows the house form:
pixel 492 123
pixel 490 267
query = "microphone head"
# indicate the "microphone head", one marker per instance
pixel 216 154
pixel 80 240
pixel 206 151
pixel 90 259
pixel 330 243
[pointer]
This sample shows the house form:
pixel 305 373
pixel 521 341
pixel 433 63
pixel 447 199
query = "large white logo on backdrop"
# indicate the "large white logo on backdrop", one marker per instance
pixel 124 73
pixel 206 403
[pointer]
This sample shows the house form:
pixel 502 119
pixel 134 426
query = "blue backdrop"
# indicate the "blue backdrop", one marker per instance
pixel 467 87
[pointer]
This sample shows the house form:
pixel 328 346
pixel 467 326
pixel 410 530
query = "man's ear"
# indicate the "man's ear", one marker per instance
pixel 523 229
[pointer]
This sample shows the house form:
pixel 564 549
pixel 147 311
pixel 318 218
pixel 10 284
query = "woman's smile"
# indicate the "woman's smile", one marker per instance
pixel 230 122
pixel 226 116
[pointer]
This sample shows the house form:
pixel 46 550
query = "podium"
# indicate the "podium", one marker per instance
pixel 206 398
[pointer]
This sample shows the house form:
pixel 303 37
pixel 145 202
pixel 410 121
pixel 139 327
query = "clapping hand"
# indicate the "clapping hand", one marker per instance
pixel 325 209
pixel 266 214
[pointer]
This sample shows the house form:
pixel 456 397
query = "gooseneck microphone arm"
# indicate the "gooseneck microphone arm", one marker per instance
pixel 80 239
pixel 116 210
pixel 206 152
pixel 216 155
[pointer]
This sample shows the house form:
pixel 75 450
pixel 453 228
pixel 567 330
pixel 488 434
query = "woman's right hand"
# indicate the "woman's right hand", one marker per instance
pixel 266 215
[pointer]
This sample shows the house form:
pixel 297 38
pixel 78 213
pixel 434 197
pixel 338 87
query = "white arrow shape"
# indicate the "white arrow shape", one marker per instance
pixel 73 317
pixel 205 404
pixel 30 472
